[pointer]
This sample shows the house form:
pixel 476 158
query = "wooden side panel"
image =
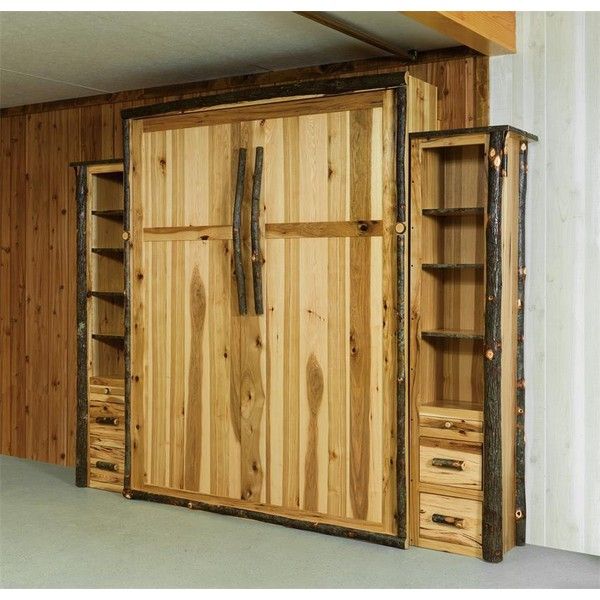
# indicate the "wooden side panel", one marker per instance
pixel 510 274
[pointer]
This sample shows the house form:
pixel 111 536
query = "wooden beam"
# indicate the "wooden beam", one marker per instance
pixel 351 31
pixel 488 32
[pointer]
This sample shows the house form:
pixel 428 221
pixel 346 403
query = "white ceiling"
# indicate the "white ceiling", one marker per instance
pixel 47 56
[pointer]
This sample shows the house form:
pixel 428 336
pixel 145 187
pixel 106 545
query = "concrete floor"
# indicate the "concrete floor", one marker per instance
pixel 54 535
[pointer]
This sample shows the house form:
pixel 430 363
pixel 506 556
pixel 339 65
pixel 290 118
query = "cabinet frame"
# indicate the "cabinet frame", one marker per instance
pixel 315 89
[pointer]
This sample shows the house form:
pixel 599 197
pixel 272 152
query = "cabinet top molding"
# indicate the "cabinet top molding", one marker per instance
pixel 489 32
pixel 325 87
pixel 467 130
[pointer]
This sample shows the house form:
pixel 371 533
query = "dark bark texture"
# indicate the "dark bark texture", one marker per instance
pixel 127 307
pixel 257 257
pixel 492 447
pixel 338 85
pixel 81 461
pixel 357 534
pixel 401 441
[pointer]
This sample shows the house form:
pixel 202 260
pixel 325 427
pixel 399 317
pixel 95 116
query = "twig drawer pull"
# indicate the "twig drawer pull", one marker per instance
pixel 107 466
pixel 257 257
pixel 107 421
pixel 240 276
pixel 446 520
pixel 448 463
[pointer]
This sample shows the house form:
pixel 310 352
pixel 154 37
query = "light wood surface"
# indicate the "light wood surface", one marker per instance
pixel 488 32
pixel 286 409
pixel 461 467
pixel 468 535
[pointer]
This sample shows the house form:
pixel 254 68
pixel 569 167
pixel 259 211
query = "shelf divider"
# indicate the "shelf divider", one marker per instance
pixel 465 211
pixel 448 266
pixel 451 334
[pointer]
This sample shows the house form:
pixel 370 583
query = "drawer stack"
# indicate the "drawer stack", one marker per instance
pixel 450 475
pixel 106 429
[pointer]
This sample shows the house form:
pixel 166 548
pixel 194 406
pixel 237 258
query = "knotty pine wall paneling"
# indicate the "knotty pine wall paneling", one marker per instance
pixel 38 232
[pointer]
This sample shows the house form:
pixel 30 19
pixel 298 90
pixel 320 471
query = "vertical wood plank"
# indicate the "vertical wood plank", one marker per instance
pixel 5 291
pixel 18 264
pixel 37 318
pixel 337 294
pixel 360 335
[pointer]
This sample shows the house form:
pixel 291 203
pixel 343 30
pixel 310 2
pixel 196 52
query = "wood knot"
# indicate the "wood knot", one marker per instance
pixel 489 354
pixel 520 384
pixel 362 226
pixel 519 514
pixel 492 152
pixel 523 146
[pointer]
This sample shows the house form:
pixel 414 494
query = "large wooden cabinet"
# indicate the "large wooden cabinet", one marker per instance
pixel 100 326
pixel 318 332
pixel 263 306
pixel 467 203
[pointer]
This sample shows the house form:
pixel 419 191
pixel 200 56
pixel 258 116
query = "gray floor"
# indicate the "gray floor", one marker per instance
pixel 53 534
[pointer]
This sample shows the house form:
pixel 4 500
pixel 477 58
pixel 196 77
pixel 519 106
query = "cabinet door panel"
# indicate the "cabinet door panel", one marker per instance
pixel 191 429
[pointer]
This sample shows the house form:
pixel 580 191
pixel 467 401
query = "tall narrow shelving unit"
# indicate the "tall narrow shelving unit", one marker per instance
pixel 101 325
pixel 464 228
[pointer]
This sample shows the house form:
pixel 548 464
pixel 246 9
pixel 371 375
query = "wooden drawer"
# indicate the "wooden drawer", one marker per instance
pixel 107 460
pixel 447 520
pixel 451 424
pixel 450 463
pixel 106 479
pixel 106 413
pixel 106 387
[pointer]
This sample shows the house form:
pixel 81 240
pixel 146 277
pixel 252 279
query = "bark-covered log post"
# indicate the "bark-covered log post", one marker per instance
pixel 520 432
pixel 492 447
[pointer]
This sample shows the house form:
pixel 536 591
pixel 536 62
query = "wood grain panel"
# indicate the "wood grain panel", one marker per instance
pixel 93 134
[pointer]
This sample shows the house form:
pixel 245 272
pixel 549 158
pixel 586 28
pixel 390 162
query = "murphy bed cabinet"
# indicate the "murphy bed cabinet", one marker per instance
pixel 466 386
pixel 100 326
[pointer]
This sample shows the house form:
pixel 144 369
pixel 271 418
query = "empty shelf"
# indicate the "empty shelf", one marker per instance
pixel 452 265
pixel 452 334
pixel 110 252
pixel 117 296
pixel 453 212
pixel 108 338
pixel 109 214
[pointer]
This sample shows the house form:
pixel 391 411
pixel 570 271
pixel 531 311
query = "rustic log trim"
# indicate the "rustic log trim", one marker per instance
pixel 326 528
pixel 447 520
pixel 468 130
pixel 324 87
pixel 492 448
pixel 257 257
pixel 127 304
pixel 401 440
pixel 453 212
pixel 106 161
pixel 114 421
pixel 240 277
pixel 520 500
pixel 106 466
pixel 448 463
pixel 81 458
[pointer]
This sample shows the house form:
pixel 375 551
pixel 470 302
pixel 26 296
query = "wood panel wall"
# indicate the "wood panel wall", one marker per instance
pixel 38 231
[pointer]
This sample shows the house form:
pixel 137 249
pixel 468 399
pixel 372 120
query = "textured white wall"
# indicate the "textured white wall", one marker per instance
pixel 551 87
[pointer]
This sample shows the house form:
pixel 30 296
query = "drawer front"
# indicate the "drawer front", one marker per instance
pixel 450 463
pixel 106 413
pixel 105 479
pixel 108 389
pixel 450 427
pixel 456 521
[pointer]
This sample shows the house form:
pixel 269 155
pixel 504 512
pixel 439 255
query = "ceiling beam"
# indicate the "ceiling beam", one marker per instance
pixel 351 31
pixel 488 32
